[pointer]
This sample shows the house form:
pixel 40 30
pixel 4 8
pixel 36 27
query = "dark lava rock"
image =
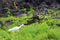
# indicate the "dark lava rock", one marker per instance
pixel 53 5
pixel 7 23
pixel 49 2
pixel 33 19
pixel 42 9
pixel 1 24
pixel 41 5
pixel 36 3
pixel 58 24
pixel 24 5
pixel 58 6
pixel 58 1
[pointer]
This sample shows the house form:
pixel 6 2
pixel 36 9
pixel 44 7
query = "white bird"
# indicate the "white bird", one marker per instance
pixel 15 28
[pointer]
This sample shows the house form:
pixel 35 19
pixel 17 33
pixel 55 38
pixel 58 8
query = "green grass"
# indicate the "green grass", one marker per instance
pixel 46 30
pixel 35 31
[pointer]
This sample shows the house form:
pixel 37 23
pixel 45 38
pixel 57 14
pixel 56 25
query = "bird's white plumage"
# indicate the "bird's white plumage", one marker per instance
pixel 15 28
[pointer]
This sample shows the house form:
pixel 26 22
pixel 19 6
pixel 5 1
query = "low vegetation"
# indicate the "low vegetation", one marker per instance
pixel 45 30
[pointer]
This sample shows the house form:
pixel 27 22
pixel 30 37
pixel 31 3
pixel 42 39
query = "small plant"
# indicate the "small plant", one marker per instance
pixel 8 12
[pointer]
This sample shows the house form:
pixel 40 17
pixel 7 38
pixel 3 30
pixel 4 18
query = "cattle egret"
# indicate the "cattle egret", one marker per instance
pixel 15 28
